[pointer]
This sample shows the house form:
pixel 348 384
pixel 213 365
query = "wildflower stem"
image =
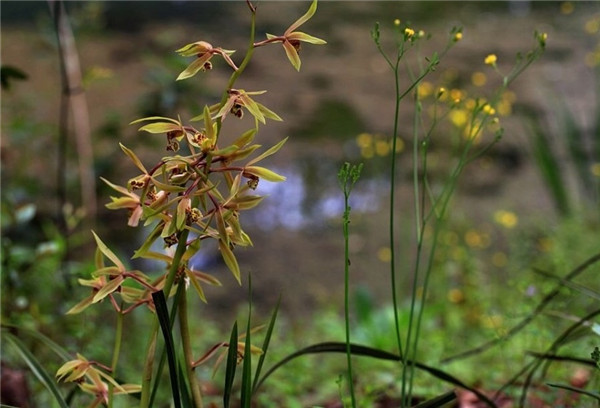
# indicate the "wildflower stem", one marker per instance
pixel 184 330
pixel 347 177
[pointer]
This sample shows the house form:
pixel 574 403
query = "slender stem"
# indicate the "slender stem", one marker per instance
pixel 346 293
pixel 393 205
pixel 116 352
pixel 184 330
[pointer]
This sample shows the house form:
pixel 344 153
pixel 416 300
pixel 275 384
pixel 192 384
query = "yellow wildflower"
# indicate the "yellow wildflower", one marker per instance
pixel 491 60
pixel 408 32
pixel 458 36
pixel 397 22
pixel 487 108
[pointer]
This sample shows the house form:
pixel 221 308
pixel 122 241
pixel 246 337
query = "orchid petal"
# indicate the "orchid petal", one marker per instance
pixel 195 66
pixel 311 11
pixel 300 36
pixel 292 54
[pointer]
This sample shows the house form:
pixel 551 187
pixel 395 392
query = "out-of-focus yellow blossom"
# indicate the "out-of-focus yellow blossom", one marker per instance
pixel 459 117
pixel 425 89
pixel 384 254
pixel 507 219
pixel 399 145
pixel 478 78
pixel 595 169
pixel 364 140
pixel 397 22
pixel 458 36
pixel 421 34
pixel 504 108
pixel 592 26
pixel 491 59
pixel 456 296
pixel 470 104
pixel 473 238
pixel 499 259
pixel 566 7
pixel 456 94
pixel 409 32
pixel 382 148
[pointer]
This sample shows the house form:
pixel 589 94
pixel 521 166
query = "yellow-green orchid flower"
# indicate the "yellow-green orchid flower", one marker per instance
pixel 291 39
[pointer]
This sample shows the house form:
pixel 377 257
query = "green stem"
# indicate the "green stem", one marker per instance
pixel 346 293
pixel 393 205
pixel 116 352
pixel 184 330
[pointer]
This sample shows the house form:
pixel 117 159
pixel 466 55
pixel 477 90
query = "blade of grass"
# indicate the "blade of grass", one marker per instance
pixel 163 318
pixel 186 395
pixel 571 359
pixel 438 401
pixel 360 350
pixel 581 391
pixel 246 394
pixel 38 370
pixel 265 346
pixel 58 350
pixel 230 365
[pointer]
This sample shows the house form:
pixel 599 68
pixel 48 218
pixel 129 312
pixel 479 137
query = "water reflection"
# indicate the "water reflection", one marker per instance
pixel 298 203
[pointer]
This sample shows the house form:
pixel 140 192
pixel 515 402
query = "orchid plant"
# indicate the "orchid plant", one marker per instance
pixel 194 194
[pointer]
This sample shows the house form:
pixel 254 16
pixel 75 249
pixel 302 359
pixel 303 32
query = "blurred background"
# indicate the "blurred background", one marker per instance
pixel 532 199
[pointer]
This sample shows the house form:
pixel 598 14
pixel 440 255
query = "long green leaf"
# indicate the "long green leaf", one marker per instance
pixel 581 391
pixel 162 313
pixel 265 345
pixel 246 395
pixel 230 365
pixel 38 370
pixel 360 350
pixel 438 401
